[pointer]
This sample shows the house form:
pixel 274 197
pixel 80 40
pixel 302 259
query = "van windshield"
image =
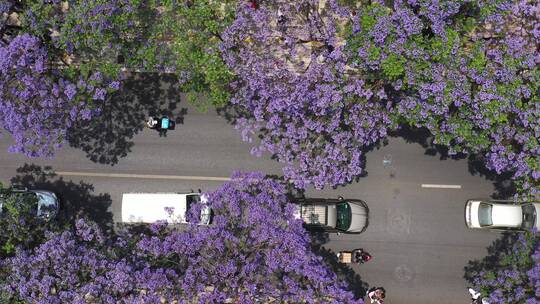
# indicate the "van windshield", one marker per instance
pixel 344 216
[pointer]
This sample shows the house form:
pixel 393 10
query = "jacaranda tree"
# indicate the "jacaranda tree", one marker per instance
pixel 318 83
pixel 468 71
pixel 96 33
pixel 510 274
pixel 41 98
pixel 297 92
pixel 255 250
pixel 193 30
pixel 90 43
pixel 21 228
pixel 38 105
pixel 82 266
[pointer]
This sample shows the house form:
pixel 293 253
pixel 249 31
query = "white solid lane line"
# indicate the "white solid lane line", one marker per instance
pixel 187 177
pixel 441 186
pixel 147 176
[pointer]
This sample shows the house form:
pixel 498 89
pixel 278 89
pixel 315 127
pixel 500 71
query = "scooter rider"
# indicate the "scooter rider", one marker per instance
pixel 152 122
pixel 163 123
pixel 360 256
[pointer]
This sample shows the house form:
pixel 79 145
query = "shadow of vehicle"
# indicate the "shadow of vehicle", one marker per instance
pixel 108 137
pixel 76 199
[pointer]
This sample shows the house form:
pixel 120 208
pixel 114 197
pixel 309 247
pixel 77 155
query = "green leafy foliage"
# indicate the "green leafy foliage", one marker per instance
pixel 20 225
pixel 195 28
pixel 478 60
pixel 393 66
pixel 513 264
pixel 459 70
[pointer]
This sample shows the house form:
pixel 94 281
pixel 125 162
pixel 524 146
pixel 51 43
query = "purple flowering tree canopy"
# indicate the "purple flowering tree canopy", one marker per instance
pixel 320 83
pixel 467 71
pixel 304 102
pixel 511 274
pixel 255 250
pixel 38 101
pixel 21 228
pixel 82 266
pixel 36 106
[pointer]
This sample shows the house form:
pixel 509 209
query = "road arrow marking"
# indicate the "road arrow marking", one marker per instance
pixel 441 186
pixel 145 176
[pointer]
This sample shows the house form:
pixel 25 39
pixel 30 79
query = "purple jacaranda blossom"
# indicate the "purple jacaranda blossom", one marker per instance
pixel 475 87
pixel 298 107
pixel 99 94
pixel 512 274
pixel 34 104
pixel 255 250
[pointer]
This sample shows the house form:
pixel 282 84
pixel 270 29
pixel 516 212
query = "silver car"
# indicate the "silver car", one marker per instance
pixel 334 215
pixel 47 202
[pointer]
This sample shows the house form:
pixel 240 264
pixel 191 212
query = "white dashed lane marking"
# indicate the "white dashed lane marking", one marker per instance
pixel 441 186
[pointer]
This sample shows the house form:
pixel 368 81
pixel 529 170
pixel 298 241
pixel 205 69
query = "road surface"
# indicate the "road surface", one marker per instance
pixel 416 234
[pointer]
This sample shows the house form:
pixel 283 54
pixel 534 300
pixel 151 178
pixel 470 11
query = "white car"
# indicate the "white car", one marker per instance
pixel 504 215
pixel 153 207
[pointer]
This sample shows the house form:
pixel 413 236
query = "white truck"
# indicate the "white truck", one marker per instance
pixel 170 207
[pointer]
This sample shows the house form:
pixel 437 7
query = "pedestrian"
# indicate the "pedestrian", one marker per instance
pixel 151 122
pixel 476 297
pixel 381 294
pixel 376 295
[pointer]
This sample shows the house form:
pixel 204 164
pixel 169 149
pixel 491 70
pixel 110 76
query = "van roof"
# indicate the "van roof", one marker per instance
pixel 150 207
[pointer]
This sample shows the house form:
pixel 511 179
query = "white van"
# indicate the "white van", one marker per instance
pixel 151 207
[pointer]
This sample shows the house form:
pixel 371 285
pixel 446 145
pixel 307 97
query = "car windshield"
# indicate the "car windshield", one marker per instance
pixel 46 200
pixel 343 216
pixel 529 216
pixel 484 214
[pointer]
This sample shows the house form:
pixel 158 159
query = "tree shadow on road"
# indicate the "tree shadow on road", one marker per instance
pixel 343 271
pixel 424 138
pixel 492 261
pixel 76 199
pixel 108 137
pixel 232 113
pixel 504 186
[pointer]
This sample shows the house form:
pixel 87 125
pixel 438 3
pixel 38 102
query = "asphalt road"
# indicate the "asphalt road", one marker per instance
pixel 416 235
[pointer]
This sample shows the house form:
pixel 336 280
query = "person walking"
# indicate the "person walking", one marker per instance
pixel 476 297
pixel 376 295
pixel 151 122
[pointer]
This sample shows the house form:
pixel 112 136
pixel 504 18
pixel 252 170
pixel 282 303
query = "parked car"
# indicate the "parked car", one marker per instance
pixel 46 201
pixel 152 207
pixel 334 215
pixel 503 215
